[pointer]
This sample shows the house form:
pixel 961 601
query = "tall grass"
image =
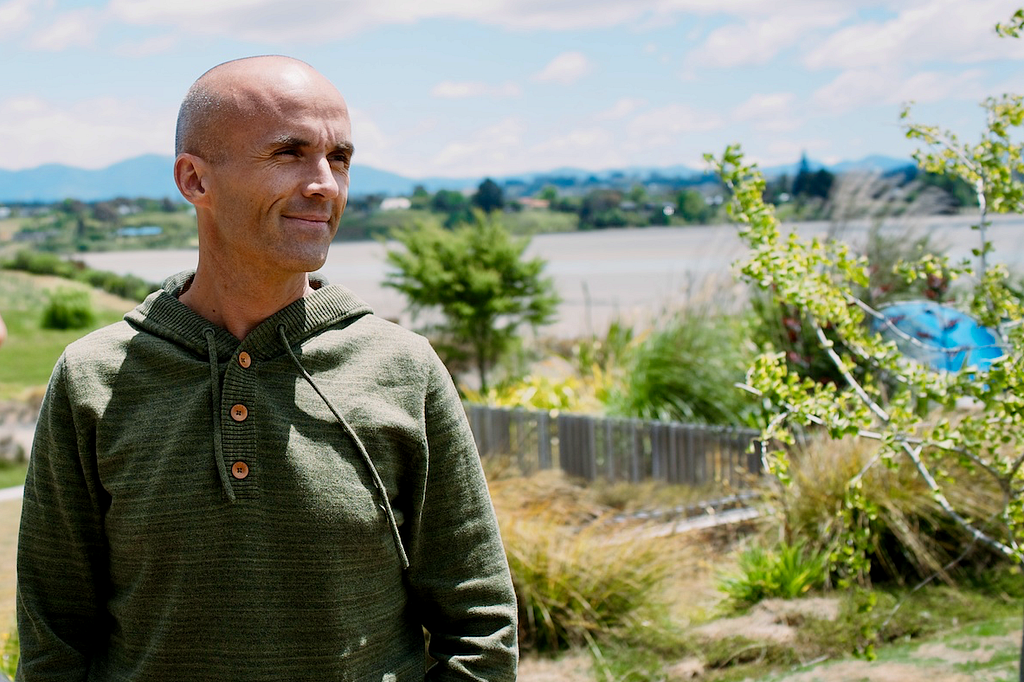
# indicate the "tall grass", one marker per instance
pixel 787 571
pixel 912 539
pixel 686 369
pixel 580 582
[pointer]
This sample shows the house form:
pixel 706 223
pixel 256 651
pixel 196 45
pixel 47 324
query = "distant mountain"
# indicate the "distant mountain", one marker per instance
pixel 150 176
pixel 869 164
pixel 143 176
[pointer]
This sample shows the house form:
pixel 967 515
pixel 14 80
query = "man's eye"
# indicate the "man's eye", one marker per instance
pixel 287 152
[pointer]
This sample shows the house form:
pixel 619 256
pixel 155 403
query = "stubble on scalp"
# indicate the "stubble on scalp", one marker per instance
pixel 214 103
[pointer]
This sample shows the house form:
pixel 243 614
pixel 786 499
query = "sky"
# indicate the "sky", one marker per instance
pixel 463 88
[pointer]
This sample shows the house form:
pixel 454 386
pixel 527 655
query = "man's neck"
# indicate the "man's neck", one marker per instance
pixel 241 301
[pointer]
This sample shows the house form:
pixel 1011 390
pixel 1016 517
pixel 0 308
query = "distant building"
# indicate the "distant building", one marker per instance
pixel 396 204
pixel 4 212
pixel 530 202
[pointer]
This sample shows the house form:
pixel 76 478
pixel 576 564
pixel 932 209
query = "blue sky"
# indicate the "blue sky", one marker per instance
pixel 494 87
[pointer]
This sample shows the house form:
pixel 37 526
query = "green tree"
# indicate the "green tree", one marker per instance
pixel 477 278
pixel 489 196
pixel 691 207
pixel 814 184
pixel 600 208
pixel 454 204
pixel 549 193
pixel 420 197
pixel 914 414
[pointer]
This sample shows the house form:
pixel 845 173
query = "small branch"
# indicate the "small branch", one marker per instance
pixel 854 384
pixel 940 498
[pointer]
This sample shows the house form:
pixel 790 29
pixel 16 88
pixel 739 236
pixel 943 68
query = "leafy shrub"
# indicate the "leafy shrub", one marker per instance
pixel 787 571
pixel 39 263
pixel 8 653
pixel 686 370
pixel 570 394
pixel 68 309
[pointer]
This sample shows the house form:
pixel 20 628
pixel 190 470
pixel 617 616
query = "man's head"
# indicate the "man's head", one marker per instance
pixel 263 151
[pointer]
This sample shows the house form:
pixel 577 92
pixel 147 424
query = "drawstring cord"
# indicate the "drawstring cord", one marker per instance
pixel 378 483
pixel 218 441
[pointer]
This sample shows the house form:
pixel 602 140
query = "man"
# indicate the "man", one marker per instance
pixel 251 477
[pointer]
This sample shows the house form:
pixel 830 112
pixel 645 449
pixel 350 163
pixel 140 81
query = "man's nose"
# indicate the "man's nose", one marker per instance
pixel 322 181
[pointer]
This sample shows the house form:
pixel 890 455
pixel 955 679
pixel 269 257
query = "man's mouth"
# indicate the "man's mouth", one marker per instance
pixel 310 218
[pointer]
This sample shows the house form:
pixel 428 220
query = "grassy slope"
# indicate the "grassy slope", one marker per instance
pixel 28 355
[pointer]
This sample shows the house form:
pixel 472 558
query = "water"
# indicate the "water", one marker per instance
pixel 632 274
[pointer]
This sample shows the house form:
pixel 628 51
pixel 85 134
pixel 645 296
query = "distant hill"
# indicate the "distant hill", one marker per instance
pixel 150 176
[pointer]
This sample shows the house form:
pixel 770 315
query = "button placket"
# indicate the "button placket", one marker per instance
pixel 239 432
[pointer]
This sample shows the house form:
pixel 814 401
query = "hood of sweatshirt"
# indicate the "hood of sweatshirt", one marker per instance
pixel 164 316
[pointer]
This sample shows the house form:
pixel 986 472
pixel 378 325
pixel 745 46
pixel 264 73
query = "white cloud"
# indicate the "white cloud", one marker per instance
pixel 564 69
pixel 150 46
pixel 14 17
pixel 567 147
pixel 779 151
pixel 887 85
pixel 760 39
pixel 773 112
pixel 89 134
pixel 487 149
pixel 667 124
pixel 621 109
pixel 464 89
pixel 75 28
pixel 938 30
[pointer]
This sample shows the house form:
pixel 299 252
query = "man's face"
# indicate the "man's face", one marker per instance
pixel 279 182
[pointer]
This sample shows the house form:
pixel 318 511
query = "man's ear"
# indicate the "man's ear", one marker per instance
pixel 190 176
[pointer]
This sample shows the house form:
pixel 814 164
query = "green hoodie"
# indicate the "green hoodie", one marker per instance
pixel 299 505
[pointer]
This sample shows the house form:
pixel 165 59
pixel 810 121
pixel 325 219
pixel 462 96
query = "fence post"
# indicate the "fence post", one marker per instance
pixel 544 440
pixel 632 449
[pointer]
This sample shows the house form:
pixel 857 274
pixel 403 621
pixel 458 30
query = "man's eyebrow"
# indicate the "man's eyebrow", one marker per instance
pixel 292 141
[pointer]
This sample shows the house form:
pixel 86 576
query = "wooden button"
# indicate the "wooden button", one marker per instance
pixel 239 470
pixel 244 359
pixel 239 412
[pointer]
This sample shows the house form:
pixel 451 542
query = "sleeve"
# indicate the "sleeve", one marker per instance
pixel 458 574
pixel 61 546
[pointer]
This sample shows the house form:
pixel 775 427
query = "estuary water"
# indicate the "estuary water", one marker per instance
pixel 630 274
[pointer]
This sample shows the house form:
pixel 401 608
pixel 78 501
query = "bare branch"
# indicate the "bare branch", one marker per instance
pixel 940 498
pixel 854 384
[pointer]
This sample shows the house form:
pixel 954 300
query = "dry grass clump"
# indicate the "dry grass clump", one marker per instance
pixel 912 539
pixel 579 581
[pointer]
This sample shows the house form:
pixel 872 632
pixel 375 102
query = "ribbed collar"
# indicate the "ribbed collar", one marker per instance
pixel 163 315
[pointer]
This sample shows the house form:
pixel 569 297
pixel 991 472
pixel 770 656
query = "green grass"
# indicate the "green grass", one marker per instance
pixel 992 646
pixel 12 474
pixel 29 353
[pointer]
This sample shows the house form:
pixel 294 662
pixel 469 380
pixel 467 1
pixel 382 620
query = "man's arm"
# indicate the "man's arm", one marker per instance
pixel 459 575
pixel 62 554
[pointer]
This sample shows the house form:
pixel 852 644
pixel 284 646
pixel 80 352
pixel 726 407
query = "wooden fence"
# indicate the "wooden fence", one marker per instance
pixel 617 449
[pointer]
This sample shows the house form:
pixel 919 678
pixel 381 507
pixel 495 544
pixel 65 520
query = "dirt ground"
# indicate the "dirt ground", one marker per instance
pixel 10 514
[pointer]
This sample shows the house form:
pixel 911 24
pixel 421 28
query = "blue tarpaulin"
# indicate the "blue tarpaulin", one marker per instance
pixel 938 335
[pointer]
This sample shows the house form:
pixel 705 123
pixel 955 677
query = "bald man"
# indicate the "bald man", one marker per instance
pixel 252 477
